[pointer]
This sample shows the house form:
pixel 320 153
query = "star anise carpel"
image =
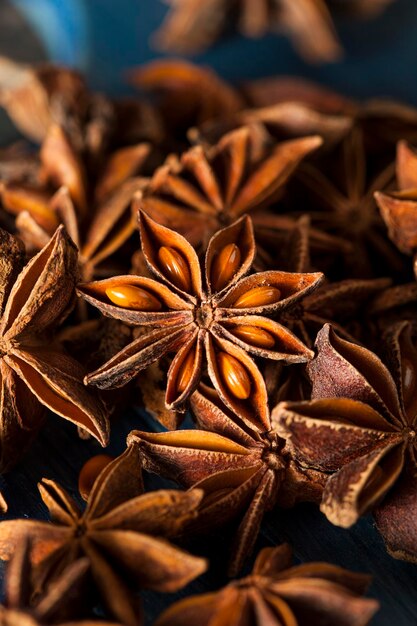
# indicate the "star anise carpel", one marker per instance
pixel 399 208
pixel 237 463
pixel 207 188
pixel 218 325
pixel 35 372
pixel 122 533
pixel 280 594
pixel 360 429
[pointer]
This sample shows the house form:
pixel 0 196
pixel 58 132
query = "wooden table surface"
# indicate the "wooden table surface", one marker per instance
pixel 59 454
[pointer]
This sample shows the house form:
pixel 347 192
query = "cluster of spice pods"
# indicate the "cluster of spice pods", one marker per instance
pixel 246 256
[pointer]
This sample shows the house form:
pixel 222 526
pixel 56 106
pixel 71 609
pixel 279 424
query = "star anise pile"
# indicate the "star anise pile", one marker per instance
pixel 240 259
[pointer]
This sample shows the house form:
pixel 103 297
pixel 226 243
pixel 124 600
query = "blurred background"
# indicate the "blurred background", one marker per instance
pixel 104 38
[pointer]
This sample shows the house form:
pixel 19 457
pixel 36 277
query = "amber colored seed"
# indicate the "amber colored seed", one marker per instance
pixel 409 379
pixel 186 370
pixel 225 266
pixel 132 297
pixel 90 472
pixel 175 266
pixel 234 375
pixel 258 296
pixel 254 336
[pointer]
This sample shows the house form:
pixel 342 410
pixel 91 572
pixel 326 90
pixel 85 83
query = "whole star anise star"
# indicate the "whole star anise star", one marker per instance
pixel 208 188
pixel 121 533
pixel 218 325
pixel 278 594
pixel 342 189
pixel 360 428
pixel 35 373
pixel 399 209
pixel 238 464
pixel 191 27
pixel 55 607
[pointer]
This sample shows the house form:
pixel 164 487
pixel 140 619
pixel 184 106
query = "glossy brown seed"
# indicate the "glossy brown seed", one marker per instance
pixel 90 472
pixel 175 267
pixel 254 336
pixel 225 266
pixel 258 296
pixel 132 297
pixel 186 371
pixel 234 375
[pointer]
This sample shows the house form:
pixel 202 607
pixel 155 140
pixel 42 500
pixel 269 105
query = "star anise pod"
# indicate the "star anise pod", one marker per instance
pixel 32 95
pixel 220 324
pixel 208 188
pixel 37 97
pixel 278 594
pixel 186 94
pixel 237 463
pixel 36 373
pixel 98 232
pixel 360 428
pixel 399 209
pixel 341 303
pixel 344 197
pixel 191 27
pixel 121 533
pixel 55 607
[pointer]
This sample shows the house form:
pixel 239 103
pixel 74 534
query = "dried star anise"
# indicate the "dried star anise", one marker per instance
pixel 238 465
pixel 278 594
pixel 120 533
pixel 191 27
pixel 360 428
pixel 63 196
pixel 187 95
pixel 341 193
pixel 341 303
pixel 220 324
pixel 210 187
pixel 34 372
pixel 37 97
pixel 56 607
pixel 399 209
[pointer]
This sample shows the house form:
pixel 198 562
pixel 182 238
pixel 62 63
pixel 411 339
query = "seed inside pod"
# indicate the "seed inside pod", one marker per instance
pixel 175 267
pixel 254 336
pixel 256 297
pixel 234 375
pixel 186 370
pixel 132 297
pixel 225 266
pixel 90 472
